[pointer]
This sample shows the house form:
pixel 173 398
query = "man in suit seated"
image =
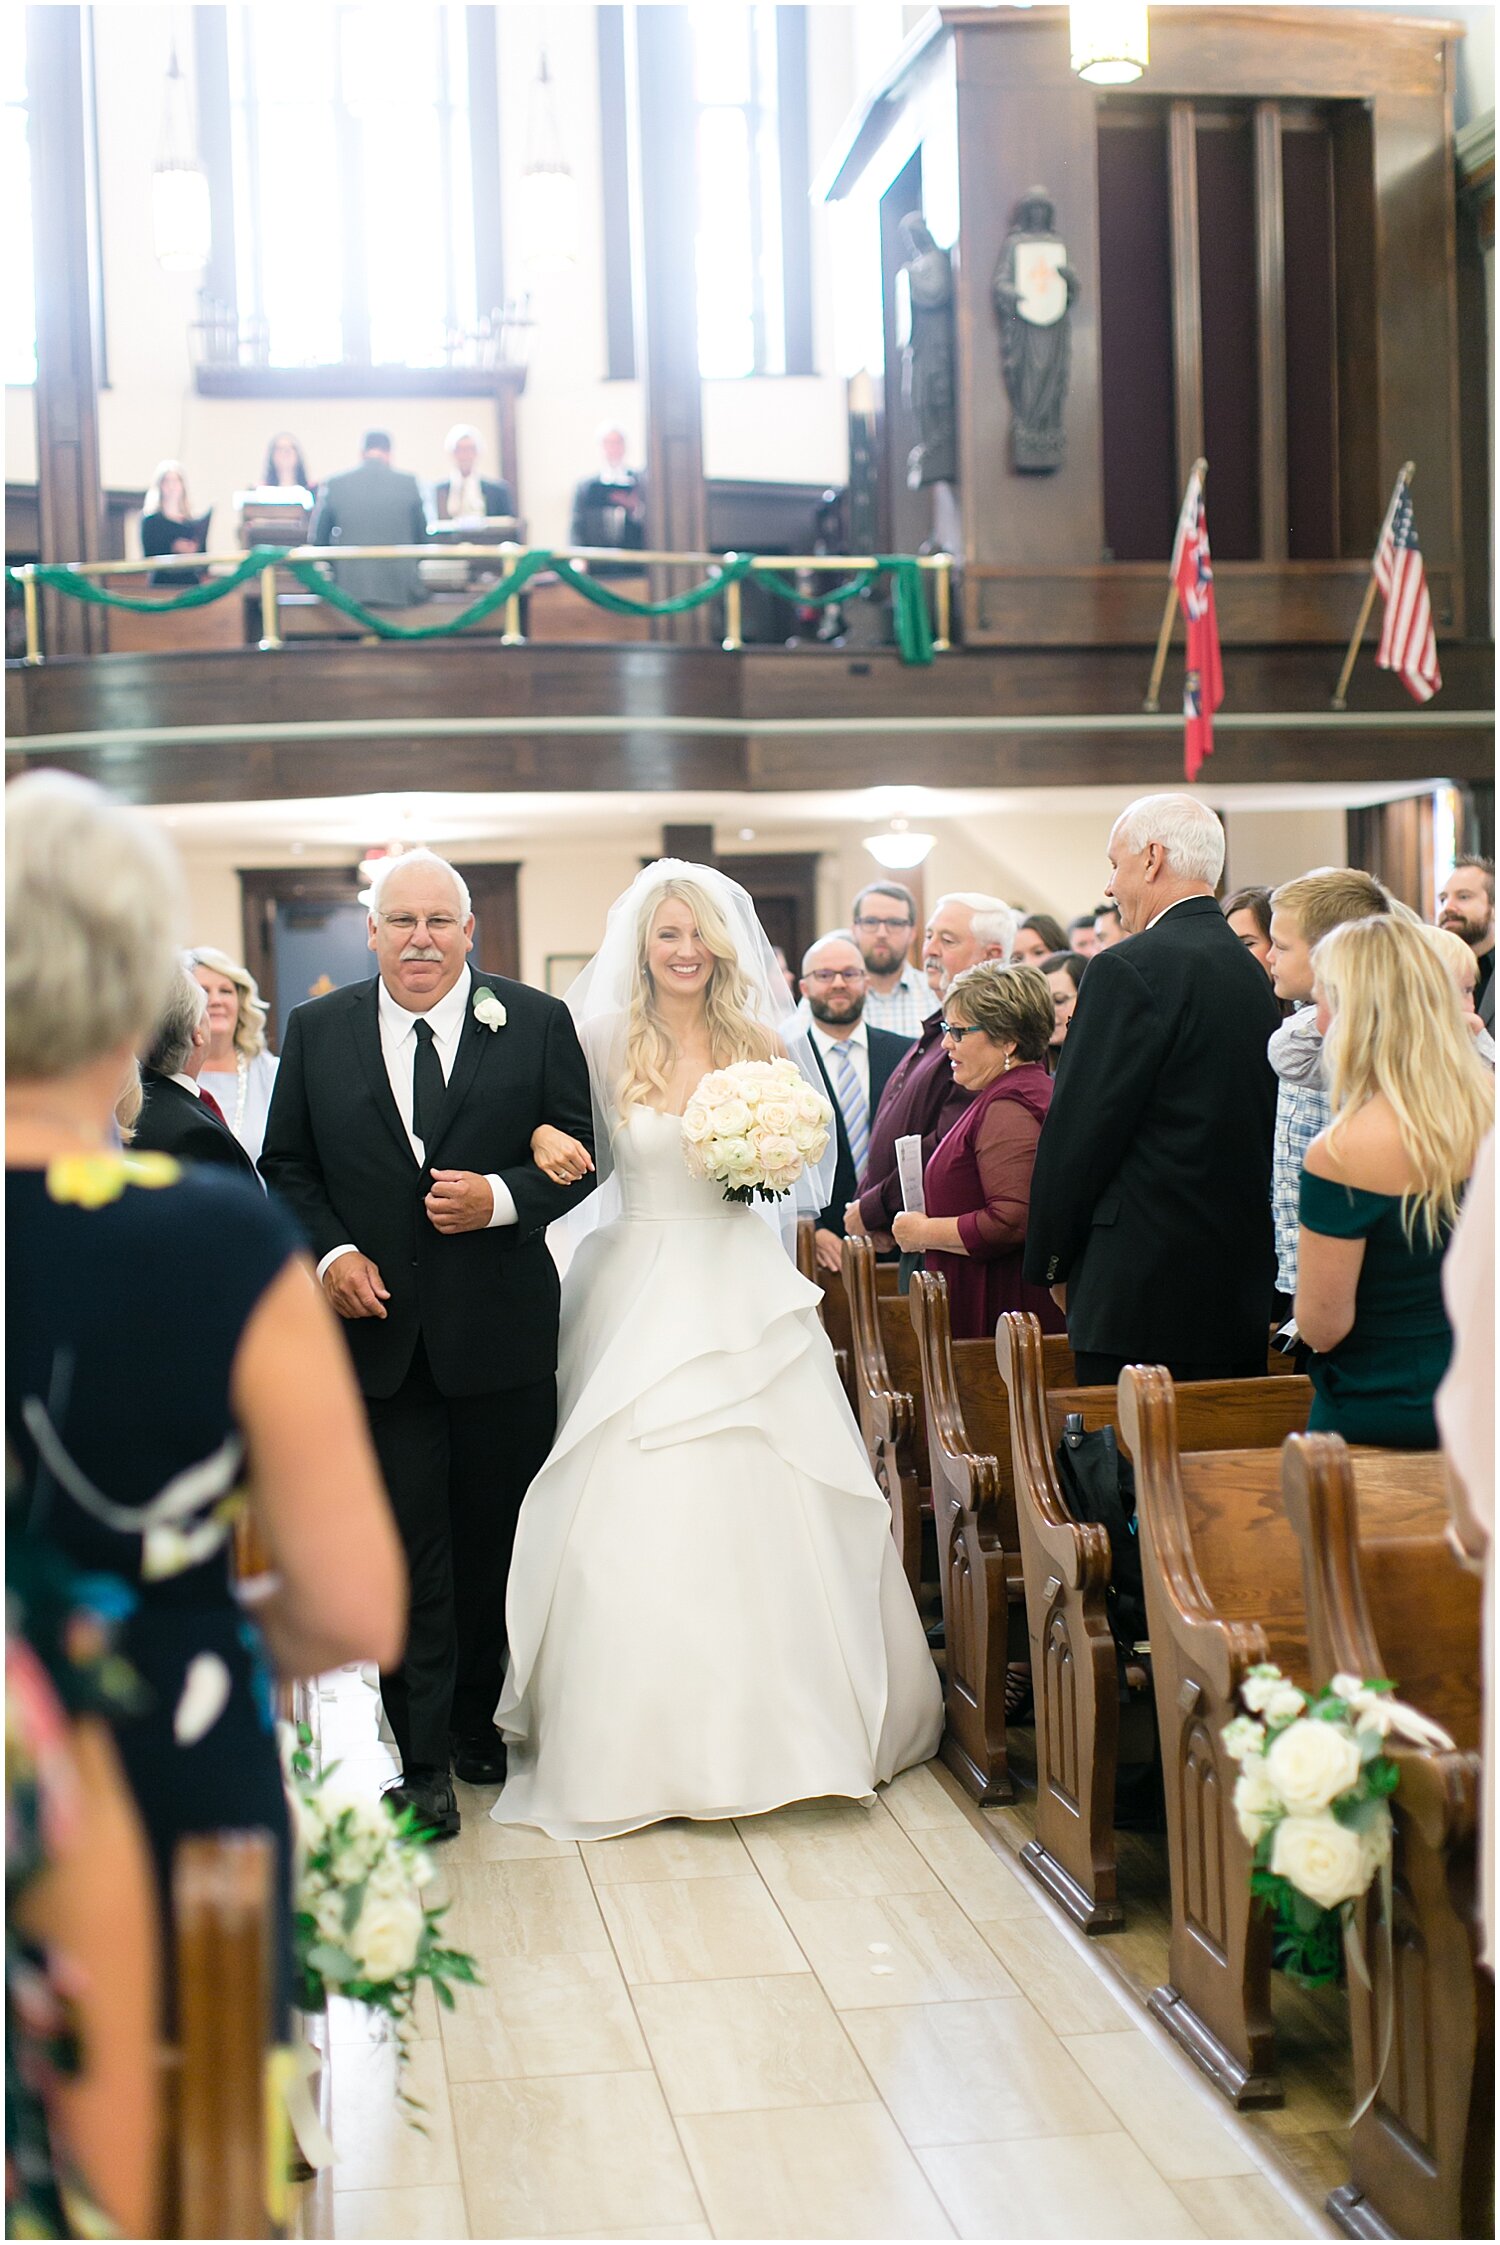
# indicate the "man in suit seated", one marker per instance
pixel 1151 1198
pixel 373 505
pixel 609 506
pixel 177 1117
pixel 857 1064
pixel 465 495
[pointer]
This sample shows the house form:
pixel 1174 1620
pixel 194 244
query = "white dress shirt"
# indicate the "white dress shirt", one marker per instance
pixel 857 1045
pixel 465 498
pixel 188 1083
pixel 398 1046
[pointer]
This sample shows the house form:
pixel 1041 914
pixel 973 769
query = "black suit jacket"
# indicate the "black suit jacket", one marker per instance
pixel 1151 1195
pixel 498 497
pixel 173 1122
pixel 484 1303
pixel 887 1051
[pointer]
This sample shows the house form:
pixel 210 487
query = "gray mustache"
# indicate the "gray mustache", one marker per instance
pixel 435 956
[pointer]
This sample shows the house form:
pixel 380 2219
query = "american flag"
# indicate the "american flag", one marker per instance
pixel 1193 575
pixel 1407 644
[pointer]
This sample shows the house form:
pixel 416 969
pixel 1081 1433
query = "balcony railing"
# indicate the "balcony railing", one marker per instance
pixel 922 586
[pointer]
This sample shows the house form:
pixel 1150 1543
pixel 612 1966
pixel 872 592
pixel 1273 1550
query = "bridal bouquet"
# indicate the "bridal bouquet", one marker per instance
pixel 1313 1801
pixel 360 1925
pixel 754 1127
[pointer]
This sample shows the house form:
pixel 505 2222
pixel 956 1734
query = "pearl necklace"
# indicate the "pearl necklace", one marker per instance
pixel 241 1090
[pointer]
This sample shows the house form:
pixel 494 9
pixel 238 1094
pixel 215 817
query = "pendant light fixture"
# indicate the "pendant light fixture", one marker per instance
pixel 180 218
pixel 548 190
pixel 1108 41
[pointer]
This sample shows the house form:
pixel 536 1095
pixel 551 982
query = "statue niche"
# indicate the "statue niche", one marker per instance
pixel 1034 288
pixel 925 328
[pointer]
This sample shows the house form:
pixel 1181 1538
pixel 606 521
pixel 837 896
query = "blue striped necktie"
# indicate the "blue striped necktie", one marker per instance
pixel 853 1105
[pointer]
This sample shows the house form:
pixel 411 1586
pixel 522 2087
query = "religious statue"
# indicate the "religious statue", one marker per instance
pixel 925 327
pixel 1034 288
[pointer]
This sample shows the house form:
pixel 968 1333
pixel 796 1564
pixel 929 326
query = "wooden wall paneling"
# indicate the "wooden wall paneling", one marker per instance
pixel 1418 319
pixel 1024 120
pixel 1187 314
pixel 1270 287
pixel 1475 408
pixel 1357 325
pixel 1137 419
pixel 666 169
pixel 1313 431
pixel 784 888
pixel 66 251
pixel 1229 322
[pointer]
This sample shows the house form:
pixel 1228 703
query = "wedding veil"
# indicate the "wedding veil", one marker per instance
pixel 600 1002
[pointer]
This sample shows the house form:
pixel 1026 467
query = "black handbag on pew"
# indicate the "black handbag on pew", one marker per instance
pixel 1098 1484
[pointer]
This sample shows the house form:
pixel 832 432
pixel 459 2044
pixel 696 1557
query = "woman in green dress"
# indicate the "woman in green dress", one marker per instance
pixel 1381 1186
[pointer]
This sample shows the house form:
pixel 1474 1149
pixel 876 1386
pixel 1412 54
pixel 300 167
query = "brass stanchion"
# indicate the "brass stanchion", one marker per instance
pixel 941 642
pixel 1352 655
pixel 33 615
pixel 733 639
pixel 270 635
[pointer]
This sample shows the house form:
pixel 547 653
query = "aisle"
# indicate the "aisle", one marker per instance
pixel 833 2021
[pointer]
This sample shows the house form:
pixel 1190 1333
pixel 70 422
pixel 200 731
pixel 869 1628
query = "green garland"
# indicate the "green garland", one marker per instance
pixel 908 601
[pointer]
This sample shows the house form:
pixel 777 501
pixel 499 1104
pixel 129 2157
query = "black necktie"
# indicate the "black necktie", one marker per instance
pixel 427 1087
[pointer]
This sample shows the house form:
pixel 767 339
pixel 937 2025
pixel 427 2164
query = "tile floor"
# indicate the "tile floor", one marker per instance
pixel 835 2021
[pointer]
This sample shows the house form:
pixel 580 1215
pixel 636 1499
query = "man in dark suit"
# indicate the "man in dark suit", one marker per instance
pixel 178 1118
pixel 400 1132
pixel 464 492
pixel 373 505
pixel 857 1063
pixel 1151 1197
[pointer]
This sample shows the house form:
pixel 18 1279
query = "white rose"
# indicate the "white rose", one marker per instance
pixel 385 1941
pixel 1255 1800
pixel 777 1115
pixel 778 1151
pixel 1311 1764
pixel 810 1105
pixel 1242 1738
pixel 1285 1704
pixel 733 1156
pixel 731 1119
pixel 1259 1686
pixel 696 1124
pixel 1322 1858
pixel 752 1092
pixel 328 1914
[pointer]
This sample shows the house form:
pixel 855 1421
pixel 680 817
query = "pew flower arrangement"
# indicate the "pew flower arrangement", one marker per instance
pixel 361 1925
pixel 1313 1801
pixel 754 1127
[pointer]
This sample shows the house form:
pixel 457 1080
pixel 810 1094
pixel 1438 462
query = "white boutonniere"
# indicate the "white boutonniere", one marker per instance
pixel 488 1011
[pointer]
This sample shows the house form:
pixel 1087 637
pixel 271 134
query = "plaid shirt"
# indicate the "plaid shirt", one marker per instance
pixel 905 1008
pixel 1296 1054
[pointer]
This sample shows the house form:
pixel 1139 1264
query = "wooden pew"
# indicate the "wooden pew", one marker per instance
pixel 1083 1734
pixel 836 1322
pixel 224 1927
pixel 974 1511
pixel 888 1399
pixel 1422 2154
pixel 1223 1573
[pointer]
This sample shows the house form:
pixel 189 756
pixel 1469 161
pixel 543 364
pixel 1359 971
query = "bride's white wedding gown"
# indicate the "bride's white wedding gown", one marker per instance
pixel 706 1614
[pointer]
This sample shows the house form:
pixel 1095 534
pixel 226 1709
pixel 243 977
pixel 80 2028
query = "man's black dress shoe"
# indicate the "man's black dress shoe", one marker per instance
pixel 480 1760
pixel 432 1801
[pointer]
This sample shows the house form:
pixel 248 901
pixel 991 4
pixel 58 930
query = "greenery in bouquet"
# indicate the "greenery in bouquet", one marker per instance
pixel 754 1127
pixel 361 1925
pixel 1313 1801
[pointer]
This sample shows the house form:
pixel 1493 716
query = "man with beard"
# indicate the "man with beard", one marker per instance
pixel 1466 904
pixel 857 1063
pixel 897 996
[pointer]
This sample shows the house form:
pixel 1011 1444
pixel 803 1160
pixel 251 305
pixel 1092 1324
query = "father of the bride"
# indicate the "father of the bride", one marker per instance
pixel 400 1133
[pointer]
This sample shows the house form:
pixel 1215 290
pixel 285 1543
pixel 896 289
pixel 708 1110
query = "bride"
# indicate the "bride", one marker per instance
pixel 706 1614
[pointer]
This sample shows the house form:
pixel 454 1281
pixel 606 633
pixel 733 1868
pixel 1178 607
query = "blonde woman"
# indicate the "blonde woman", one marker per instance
pixel 238 1070
pixel 706 1615
pixel 1410 1103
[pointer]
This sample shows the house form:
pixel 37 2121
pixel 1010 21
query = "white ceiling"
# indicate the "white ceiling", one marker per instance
pixel 340 822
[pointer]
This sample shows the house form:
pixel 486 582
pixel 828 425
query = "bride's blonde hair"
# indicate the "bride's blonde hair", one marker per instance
pixel 734 1033
pixel 1397 1029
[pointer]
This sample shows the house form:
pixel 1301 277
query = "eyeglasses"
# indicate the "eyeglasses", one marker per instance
pixel 956 1031
pixel 407 923
pixel 835 974
pixel 885 927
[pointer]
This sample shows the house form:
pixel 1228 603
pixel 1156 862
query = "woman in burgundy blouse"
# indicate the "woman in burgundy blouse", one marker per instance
pixel 998 1021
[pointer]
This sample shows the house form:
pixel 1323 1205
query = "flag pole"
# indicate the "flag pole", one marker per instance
pixel 1164 636
pixel 1352 655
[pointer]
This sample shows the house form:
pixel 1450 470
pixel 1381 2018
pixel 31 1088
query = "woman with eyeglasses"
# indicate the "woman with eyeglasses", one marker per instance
pixel 997 1024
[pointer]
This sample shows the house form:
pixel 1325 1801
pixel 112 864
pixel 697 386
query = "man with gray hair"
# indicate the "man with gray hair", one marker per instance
pixel 922 1100
pixel 464 495
pixel 178 1117
pixel 1150 1201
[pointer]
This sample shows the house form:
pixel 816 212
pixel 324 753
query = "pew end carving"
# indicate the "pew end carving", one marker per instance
pixel 224 1920
pixel 888 1400
pixel 1422 2153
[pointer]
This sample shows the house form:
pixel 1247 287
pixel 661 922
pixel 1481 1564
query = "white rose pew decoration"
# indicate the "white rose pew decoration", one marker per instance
pixel 360 1925
pixel 1313 1801
pixel 754 1127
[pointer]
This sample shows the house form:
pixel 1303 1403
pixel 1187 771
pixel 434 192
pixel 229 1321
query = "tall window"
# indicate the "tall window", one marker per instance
pixel 354 181
pixel 18 296
pixel 749 86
